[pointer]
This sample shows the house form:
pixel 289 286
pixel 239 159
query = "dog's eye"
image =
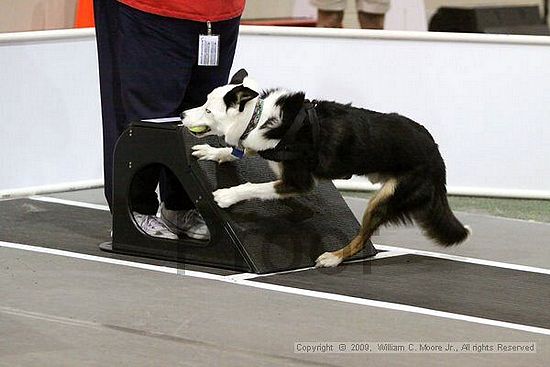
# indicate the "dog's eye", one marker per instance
pixel 207 111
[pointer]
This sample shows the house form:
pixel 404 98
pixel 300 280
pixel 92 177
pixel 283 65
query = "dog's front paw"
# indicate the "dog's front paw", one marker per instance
pixel 226 197
pixel 327 260
pixel 204 152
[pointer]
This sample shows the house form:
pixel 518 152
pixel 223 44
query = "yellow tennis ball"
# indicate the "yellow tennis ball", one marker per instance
pixel 198 129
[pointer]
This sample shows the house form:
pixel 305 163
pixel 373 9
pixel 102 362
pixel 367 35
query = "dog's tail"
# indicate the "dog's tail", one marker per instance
pixel 438 221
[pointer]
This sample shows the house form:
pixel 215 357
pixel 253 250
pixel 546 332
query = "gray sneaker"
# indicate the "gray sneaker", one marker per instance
pixel 187 222
pixel 153 226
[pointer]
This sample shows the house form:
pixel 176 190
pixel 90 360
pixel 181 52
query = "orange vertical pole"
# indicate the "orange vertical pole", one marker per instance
pixel 84 14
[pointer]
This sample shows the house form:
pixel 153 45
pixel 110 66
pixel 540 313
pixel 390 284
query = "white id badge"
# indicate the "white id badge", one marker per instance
pixel 209 46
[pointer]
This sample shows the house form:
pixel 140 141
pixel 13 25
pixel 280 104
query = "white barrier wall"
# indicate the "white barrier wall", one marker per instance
pixel 50 126
pixel 483 97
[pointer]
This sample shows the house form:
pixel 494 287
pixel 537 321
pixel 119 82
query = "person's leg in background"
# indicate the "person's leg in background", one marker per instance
pixel 371 13
pixel 160 78
pixel 115 121
pixel 156 56
pixel 330 13
pixel 204 79
pixel 106 23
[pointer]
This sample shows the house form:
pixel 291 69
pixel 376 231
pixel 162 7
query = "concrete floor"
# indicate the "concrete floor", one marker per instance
pixel 58 311
pixel 62 311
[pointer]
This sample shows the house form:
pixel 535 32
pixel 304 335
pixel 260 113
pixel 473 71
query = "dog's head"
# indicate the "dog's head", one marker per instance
pixel 225 106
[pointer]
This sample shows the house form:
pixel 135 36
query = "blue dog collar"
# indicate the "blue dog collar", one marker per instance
pixel 237 153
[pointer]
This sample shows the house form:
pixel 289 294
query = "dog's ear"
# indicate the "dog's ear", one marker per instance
pixel 239 95
pixel 291 104
pixel 239 77
pixel 294 101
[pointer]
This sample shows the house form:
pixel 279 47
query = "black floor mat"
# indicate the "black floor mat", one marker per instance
pixel 69 228
pixel 444 285
pixel 464 288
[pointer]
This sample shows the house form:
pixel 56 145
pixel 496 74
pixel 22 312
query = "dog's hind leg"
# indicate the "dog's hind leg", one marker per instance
pixel 378 212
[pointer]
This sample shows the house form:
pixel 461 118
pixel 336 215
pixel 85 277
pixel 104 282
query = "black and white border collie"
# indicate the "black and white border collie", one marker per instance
pixel 388 148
